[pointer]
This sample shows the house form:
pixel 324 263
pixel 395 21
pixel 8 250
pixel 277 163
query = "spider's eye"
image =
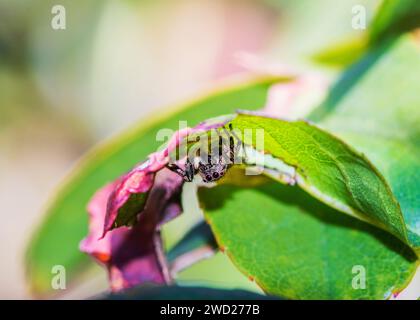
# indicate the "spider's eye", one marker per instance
pixel 215 175
pixel 208 177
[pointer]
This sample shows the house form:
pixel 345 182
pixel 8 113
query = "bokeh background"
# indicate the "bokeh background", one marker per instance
pixel 118 63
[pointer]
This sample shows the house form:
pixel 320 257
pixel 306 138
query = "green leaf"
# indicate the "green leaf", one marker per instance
pixel 200 235
pixel 380 116
pixel 183 293
pixel 393 18
pixel 329 170
pixel 294 246
pixel 342 53
pixel 134 204
pixel 56 241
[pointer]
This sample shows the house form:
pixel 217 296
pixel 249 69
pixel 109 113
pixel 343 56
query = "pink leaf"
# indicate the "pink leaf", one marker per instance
pixel 134 255
pixel 139 181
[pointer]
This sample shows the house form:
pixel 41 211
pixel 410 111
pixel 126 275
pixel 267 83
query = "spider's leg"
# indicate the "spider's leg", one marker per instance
pixel 187 174
pixel 233 150
pixel 190 171
pixel 222 155
pixel 175 168
pixel 232 134
pixel 240 142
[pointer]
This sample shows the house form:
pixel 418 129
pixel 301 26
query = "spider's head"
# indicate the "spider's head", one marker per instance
pixel 212 172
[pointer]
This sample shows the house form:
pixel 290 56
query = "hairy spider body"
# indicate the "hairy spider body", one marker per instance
pixel 218 161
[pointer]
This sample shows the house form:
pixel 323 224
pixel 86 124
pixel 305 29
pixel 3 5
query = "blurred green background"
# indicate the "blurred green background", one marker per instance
pixel 119 62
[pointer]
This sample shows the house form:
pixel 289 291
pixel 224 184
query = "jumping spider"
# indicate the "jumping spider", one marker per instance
pixel 216 165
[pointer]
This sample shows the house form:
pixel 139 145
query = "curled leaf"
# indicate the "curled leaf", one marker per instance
pixel 143 199
pixel 130 193
pixel 134 255
pixel 329 169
